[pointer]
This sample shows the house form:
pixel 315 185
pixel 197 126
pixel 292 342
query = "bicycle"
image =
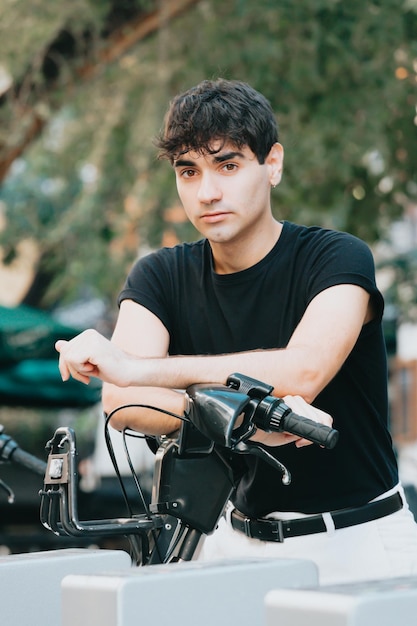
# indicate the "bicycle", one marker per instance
pixel 216 426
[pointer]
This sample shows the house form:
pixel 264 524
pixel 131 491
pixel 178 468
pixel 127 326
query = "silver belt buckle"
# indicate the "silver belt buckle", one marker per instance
pixel 246 527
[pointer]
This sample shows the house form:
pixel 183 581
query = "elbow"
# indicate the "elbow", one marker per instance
pixel 110 402
pixel 308 396
pixel 310 384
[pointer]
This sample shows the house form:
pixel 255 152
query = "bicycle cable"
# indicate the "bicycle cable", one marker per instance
pixel 129 433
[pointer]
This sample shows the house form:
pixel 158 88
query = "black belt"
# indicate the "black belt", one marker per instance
pixel 278 530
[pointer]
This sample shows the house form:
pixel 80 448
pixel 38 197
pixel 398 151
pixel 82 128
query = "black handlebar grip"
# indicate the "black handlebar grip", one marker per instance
pixel 10 451
pixel 274 415
pixel 27 460
pixel 308 429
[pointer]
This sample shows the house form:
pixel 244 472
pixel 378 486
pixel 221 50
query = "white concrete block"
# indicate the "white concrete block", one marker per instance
pixel 30 584
pixel 391 602
pixel 221 593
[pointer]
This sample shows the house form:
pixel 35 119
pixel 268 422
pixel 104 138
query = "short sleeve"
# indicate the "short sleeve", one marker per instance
pixel 344 259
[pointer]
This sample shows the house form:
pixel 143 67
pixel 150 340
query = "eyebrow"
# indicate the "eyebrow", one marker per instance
pixel 184 162
pixel 227 156
pixel 221 158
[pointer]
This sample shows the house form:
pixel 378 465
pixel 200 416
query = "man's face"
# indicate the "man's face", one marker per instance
pixel 227 193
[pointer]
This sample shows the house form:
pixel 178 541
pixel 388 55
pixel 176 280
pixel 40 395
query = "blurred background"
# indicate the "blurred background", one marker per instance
pixel 84 86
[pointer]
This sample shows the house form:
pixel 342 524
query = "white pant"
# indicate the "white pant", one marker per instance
pixel 383 548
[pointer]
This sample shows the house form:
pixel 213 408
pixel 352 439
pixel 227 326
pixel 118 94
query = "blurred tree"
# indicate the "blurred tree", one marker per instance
pixel 401 289
pixel 61 49
pixel 341 77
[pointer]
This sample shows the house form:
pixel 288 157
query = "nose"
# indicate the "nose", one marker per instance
pixel 209 190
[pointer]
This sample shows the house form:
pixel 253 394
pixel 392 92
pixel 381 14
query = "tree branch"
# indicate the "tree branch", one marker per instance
pixel 118 43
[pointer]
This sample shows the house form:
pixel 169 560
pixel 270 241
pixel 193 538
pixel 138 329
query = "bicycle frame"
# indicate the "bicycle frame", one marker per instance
pixel 192 483
pixel 193 476
pixel 191 487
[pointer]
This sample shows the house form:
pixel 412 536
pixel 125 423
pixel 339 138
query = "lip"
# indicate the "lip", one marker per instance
pixel 212 218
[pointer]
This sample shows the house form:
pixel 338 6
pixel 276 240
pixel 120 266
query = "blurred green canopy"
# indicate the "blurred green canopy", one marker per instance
pixel 85 87
pixel 29 374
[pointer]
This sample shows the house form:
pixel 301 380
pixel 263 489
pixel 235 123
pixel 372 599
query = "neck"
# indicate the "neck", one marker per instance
pixel 236 256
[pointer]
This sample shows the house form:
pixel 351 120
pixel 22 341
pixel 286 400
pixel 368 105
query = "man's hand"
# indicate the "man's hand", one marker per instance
pixel 90 354
pixel 301 407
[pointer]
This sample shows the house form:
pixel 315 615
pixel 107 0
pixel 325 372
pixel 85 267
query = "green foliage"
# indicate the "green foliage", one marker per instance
pixel 340 76
pixel 400 275
pixel 27 28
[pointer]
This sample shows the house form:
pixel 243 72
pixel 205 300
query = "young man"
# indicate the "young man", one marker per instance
pixel 295 307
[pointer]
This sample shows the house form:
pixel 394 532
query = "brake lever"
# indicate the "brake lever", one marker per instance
pixel 8 490
pixel 251 447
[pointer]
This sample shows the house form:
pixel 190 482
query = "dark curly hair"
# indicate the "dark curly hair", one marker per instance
pixel 222 110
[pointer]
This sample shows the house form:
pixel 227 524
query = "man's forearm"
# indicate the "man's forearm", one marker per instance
pixel 283 369
pixel 137 415
pixel 90 354
pixel 296 371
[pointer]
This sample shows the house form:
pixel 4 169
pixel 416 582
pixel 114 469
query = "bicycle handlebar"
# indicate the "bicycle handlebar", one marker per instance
pixel 229 415
pixel 219 416
pixel 11 451
pixel 274 415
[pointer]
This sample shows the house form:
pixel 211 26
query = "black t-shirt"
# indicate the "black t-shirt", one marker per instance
pixel 208 313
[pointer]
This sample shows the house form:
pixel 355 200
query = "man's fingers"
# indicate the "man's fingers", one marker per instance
pixel 90 354
pixel 60 344
pixel 62 365
pixel 67 368
pixel 77 375
pixel 301 407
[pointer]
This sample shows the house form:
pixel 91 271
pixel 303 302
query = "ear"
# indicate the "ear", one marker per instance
pixel 275 163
